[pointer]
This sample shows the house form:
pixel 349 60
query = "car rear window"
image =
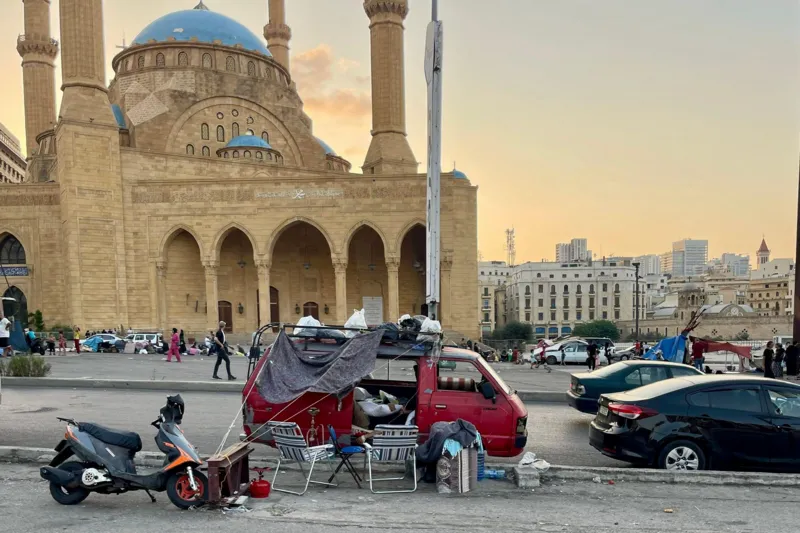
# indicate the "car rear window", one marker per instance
pixel 657 389
pixel 609 370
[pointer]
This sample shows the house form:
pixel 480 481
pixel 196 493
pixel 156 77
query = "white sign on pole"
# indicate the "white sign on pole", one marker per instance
pixel 373 310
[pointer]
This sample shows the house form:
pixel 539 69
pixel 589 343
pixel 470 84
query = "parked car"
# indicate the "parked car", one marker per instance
pixel 574 352
pixel 141 339
pixel 625 354
pixel 700 422
pixel 586 387
pixel 105 337
pixel 601 343
pixel 105 342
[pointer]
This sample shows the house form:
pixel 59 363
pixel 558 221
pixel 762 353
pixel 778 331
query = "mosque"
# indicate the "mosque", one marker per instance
pixel 192 187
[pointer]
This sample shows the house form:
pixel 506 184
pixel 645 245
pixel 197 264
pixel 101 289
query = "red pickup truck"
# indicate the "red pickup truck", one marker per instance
pixel 436 395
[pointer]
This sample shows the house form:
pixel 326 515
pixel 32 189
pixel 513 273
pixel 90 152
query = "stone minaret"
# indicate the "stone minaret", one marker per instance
pixel 389 152
pixel 38 50
pixel 90 174
pixel 277 33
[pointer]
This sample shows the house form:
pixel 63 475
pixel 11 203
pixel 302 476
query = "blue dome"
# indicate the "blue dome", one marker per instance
pixel 203 25
pixel 326 147
pixel 458 174
pixel 248 141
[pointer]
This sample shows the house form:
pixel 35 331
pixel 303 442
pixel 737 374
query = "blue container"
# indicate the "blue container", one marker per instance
pixel 495 474
pixel 481 465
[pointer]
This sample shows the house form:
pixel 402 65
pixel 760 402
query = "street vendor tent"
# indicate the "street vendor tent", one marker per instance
pixel 291 371
pixel 672 349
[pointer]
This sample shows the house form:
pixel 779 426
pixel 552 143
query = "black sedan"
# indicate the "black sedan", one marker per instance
pixel 703 422
pixel 586 387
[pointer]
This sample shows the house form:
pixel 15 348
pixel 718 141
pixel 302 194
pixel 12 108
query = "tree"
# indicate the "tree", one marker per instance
pixel 36 321
pixel 597 328
pixel 742 336
pixel 514 331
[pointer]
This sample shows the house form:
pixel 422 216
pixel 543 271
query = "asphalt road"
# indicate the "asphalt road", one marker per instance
pixel 556 432
pixel 26 507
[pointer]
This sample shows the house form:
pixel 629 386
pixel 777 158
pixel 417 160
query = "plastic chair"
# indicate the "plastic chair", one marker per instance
pixel 293 447
pixel 393 444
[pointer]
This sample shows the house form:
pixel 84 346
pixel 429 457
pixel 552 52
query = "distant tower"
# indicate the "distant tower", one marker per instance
pixel 38 50
pixel 511 247
pixel 763 253
pixel 389 151
pixel 277 33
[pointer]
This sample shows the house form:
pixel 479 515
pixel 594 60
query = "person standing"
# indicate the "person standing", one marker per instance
pixel 5 337
pixel 777 363
pixel 791 359
pixel 699 347
pixel 591 361
pixel 62 343
pixel 174 346
pixel 51 345
pixel 563 355
pixel 77 337
pixel 222 353
pixel 608 352
pixel 182 342
pixel 768 356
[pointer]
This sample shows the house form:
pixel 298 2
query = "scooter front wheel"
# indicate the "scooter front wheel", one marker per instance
pixel 181 493
pixel 66 496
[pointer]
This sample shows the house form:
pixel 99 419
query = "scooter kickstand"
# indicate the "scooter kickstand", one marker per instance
pixel 152 498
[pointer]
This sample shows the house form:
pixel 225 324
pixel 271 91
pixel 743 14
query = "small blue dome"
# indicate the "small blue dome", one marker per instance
pixel 248 141
pixel 119 115
pixel 326 147
pixel 206 26
pixel 458 174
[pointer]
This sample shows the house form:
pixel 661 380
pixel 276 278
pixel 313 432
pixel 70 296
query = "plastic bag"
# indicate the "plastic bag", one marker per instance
pixel 403 318
pixel 429 326
pixel 541 465
pixel 307 331
pixel 357 320
pixel 527 460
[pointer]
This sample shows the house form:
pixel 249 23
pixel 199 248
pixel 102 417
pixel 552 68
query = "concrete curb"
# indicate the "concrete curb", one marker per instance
pixel 196 386
pixel 17 454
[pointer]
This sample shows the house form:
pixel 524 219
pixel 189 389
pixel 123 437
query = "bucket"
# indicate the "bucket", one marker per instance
pixel 259 488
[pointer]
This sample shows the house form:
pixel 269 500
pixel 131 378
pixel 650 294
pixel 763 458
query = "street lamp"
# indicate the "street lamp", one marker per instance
pixel 636 265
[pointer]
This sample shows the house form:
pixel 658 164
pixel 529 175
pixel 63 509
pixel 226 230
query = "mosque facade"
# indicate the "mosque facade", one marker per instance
pixel 192 187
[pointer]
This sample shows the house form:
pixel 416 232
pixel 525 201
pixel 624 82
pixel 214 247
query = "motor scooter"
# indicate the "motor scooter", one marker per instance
pixel 105 462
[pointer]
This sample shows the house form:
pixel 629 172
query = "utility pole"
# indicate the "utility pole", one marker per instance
pixel 636 277
pixel 796 321
pixel 433 76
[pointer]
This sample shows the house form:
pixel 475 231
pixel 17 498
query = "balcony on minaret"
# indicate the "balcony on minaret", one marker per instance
pixel 38 44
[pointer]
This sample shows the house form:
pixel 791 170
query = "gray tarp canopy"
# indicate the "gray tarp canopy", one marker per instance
pixel 290 371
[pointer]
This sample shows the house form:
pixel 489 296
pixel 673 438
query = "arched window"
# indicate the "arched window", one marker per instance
pixel 311 309
pixel 220 134
pixel 183 59
pixel 230 64
pixel 235 154
pixel 247 153
pixel 204 131
pixel 207 61
pixel 579 291
pixel 616 287
pixel 265 137
pixel 269 74
pixel 527 290
pixel 330 165
pixel 140 62
pixel 538 275
pixel 250 132
pixel 591 288
pixel 553 289
pixel 251 68
pixel 11 251
pixel 259 155
pixel 18 308
pixel 269 156
pixel 225 155
pixel 235 130
pixel 160 62
pixel 189 149
pixel 206 151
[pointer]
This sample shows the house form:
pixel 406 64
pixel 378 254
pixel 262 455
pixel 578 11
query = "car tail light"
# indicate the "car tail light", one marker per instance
pixel 521 424
pixel 631 412
pixel 578 389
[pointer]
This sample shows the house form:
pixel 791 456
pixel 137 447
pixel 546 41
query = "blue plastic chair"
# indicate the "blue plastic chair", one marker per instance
pixel 345 453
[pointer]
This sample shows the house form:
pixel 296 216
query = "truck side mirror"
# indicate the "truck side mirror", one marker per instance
pixel 488 391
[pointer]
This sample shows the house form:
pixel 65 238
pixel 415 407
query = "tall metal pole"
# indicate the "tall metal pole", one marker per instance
pixel 636 276
pixel 796 322
pixel 433 76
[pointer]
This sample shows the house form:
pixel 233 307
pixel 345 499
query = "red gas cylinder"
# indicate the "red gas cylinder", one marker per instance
pixel 259 488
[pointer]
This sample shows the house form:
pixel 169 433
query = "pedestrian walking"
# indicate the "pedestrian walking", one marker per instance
pixel 77 337
pixel 608 352
pixel 221 348
pixel 62 343
pixel 591 360
pixel 174 346
pixel 792 354
pixel 563 355
pixel 5 336
pixel 777 363
pixel 769 354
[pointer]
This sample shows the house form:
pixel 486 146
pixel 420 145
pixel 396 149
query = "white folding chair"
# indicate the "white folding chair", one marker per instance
pixel 293 448
pixel 393 444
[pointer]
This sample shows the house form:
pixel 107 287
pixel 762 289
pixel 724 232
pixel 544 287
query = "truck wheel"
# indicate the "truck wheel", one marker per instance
pixel 181 493
pixel 551 360
pixel 66 496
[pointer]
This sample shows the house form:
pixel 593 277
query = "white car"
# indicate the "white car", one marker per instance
pixel 107 337
pixel 574 352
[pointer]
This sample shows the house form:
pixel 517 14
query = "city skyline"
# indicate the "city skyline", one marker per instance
pixel 608 109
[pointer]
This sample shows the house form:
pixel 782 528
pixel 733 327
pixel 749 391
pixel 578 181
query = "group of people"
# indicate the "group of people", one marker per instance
pixel 774 357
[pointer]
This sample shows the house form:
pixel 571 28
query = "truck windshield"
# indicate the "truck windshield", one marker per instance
pixel 490 371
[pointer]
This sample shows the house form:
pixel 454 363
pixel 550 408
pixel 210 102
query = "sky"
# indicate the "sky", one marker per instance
pixel 632 124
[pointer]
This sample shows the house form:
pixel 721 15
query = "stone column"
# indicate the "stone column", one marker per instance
pixel 340 267
pixel 212 297
pixel 445 304
pixel 161 289
pixel 264 300
pixel 392 268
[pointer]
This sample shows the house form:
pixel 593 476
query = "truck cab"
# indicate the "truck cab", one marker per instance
pixel 459 384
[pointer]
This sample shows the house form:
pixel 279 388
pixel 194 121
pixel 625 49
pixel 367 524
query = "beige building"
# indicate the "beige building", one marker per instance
pixel 12 163
pixel 192 188
pixel 492 275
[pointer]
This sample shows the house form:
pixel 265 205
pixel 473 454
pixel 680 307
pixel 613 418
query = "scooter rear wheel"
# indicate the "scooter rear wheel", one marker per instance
pixel 180 491
pixel 66 496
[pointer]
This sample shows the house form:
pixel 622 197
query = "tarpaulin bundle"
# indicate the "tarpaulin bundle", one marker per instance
pixel 672 349
pixel 713 346
pixel 291 371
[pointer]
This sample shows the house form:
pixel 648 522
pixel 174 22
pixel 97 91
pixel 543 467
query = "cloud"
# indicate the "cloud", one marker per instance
pixel 345 64
pixel 363 80
pixel 346 103
pixel 313 68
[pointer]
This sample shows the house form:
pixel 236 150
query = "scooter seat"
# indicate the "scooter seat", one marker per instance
pixel 124 439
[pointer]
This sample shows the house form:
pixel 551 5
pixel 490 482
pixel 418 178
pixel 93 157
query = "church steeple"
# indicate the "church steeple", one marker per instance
pixel 763 253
